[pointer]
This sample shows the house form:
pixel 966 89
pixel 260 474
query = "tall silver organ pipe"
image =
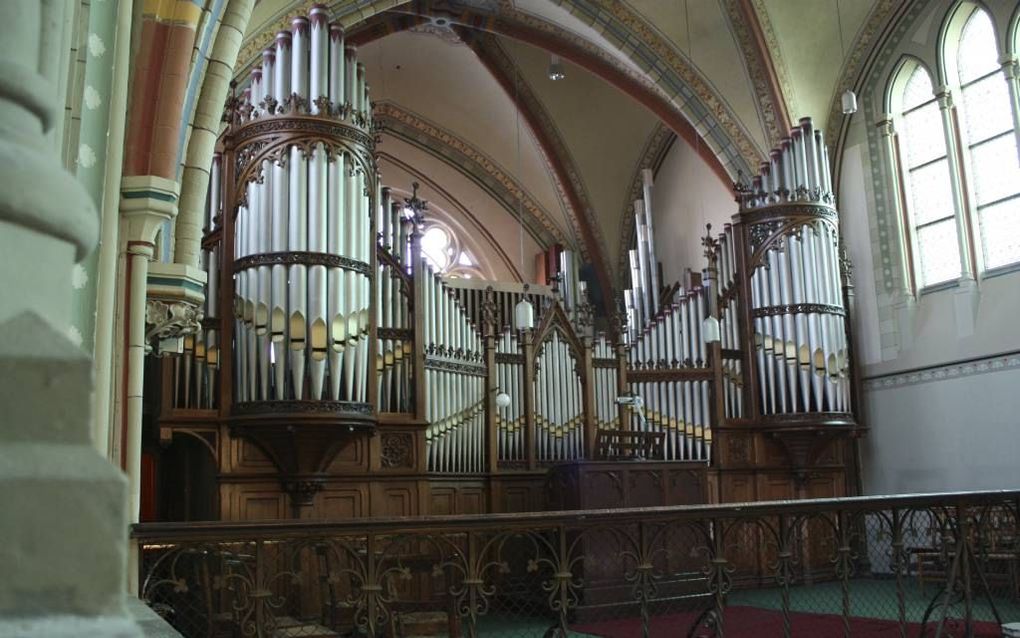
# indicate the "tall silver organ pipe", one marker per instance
pixel 729 323
pixel 676 405
pixel 641 300
pixel 796 298
pixel 559 418
pixel 304 242
pixel 606 371
pixel 510 420
pixel 196 371
pixel 395 329
pixel 454 385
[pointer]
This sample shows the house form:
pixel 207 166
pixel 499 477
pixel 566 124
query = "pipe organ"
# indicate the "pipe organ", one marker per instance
pixel 393 308
pixel 669 360
pixel 795 296
pixel 196 372
pixel 328 339
pixel 454 381
pixel 303 225
pixel 559 418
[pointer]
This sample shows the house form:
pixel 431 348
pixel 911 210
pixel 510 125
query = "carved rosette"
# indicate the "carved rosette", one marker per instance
pixel 396 450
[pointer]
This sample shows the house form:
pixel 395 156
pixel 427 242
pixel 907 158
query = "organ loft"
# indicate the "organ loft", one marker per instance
pixel 334 351
pixel 518 318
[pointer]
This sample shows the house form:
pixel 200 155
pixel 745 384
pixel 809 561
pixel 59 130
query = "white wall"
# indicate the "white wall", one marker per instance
pixel 942 381
pixel 957 433
pixel 687 195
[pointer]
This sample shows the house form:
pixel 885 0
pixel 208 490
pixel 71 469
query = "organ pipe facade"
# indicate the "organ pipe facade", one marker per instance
pixel 328 338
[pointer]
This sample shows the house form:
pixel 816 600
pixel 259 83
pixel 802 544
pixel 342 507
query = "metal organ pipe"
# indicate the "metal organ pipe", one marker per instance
pixel 303 231
pixel 797 308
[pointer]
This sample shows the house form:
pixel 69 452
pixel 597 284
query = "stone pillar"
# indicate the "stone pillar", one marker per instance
pixel 147 203
pixel 1011 73
pixel 205 128
pixel 946 108
pixel 64 523
pixel 106 301
pixel 904 299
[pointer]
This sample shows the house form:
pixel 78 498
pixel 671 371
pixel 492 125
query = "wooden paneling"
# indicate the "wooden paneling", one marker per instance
pixel 472 501
pixel 736 487
pixel 608 484
pixel 245 456
pixel 397 498
pixel 352 457
pixel 261 505
pixel 342 503
pixel 443 500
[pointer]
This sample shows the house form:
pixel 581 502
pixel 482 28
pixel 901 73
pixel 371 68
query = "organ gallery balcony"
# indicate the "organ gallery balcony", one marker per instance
pixel 861 566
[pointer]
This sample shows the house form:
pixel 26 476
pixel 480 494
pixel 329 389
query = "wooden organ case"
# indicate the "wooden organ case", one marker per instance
pixel 337 376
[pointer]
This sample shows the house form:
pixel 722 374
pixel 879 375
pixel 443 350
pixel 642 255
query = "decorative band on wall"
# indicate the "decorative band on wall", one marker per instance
pixel 956 370
pixel 303 259
pixel 800 308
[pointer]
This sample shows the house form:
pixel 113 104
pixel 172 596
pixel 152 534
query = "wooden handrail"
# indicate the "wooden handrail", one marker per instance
pixel 229 531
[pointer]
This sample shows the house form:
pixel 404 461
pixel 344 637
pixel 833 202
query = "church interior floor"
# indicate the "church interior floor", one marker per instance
pixel 815 612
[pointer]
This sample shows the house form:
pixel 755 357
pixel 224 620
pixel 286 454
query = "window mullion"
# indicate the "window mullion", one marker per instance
pixel 907 240
pixel 1011 71
pixel 956 178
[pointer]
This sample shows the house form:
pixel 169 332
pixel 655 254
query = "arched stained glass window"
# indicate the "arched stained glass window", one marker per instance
pixel 926 175
pixel 442 249
pixel 987 130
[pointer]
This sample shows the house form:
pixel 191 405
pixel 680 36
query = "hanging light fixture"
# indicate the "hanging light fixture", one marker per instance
pixel 710 329
pixel 502 400
pixel 849 102
pixel 849 98
pixel 524 313
pixel 556 71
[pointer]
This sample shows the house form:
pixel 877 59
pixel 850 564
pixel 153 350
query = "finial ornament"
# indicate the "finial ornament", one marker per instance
pixel 417 205
pixel 711 245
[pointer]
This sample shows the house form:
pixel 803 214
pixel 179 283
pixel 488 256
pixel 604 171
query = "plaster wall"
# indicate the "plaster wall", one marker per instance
pixel 942 370
pixel 686 196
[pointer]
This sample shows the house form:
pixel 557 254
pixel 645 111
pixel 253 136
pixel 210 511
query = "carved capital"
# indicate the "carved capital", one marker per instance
pixel 170 320
pixel 1010 66
pixel 944 97
pixel 885 126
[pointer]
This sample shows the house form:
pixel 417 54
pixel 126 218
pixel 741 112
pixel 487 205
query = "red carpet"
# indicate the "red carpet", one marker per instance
pixel 765 623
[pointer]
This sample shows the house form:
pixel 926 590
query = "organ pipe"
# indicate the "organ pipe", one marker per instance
pixel 334 306
pixel 304 250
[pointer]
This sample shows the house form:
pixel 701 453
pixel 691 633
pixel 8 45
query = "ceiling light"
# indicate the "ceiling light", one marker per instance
pixel 849 102
pixel 556 68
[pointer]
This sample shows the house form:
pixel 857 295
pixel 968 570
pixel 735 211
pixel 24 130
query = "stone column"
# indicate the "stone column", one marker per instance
pixel 966 298
pixel 147 203
pixel 205 128
pixel 1011 72
pixel 64 522
pixel 945 101
pixel 904 299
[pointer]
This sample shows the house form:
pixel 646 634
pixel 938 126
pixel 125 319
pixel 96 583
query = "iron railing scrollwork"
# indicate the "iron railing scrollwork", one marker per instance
pixel 930 565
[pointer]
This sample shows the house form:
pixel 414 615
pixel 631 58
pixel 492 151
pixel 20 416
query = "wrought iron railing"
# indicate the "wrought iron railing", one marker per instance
pixel 914 565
